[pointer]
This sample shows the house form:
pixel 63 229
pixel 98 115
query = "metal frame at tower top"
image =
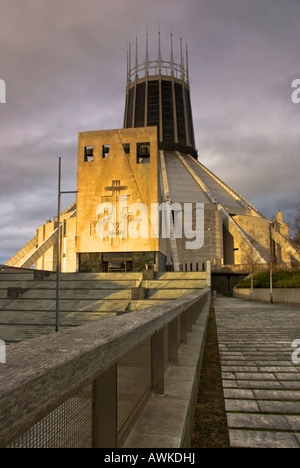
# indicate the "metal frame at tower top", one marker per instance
pixel 159 66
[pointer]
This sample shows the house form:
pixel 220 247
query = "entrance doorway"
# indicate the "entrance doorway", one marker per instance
pixel 116 262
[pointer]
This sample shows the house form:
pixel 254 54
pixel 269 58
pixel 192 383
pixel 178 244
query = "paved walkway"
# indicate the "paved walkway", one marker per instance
pixel 260 380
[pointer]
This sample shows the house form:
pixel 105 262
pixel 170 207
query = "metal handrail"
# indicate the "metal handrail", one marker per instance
pixel 42 373
pixel 170 68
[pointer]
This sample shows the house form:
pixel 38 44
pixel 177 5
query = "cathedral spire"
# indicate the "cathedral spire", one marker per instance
pixel 181 61
pixel 159 53
pixel 147 54
pixel 172 55
pixel 129 61
pixel 136 57
pixel 187 65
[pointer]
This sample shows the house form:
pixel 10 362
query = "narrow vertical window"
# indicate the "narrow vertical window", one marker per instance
pixel 105 151
pixel 88 153
pixel 143 153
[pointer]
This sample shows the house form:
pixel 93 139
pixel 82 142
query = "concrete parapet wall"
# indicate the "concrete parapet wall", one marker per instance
pixel 43 374
pixel 280 295
pixel 168 419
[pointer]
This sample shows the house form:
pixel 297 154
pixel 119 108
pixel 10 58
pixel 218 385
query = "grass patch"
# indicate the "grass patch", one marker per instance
pixel 281 279
pixel 210 425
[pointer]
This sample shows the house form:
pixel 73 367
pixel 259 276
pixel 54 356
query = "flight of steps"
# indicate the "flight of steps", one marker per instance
pixel 30 311
pixel 168 286
pixel 83 297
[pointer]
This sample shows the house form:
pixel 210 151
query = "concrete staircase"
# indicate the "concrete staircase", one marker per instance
pixel 169 286
pixel 15 281
pixel 28 298
pixel 32 251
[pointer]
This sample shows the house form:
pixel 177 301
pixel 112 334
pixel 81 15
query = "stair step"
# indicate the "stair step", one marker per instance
pixel 65 305
pixel 84 297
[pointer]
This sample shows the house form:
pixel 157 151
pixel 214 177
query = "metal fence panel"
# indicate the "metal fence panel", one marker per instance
pixel 68 426
pixel 134 380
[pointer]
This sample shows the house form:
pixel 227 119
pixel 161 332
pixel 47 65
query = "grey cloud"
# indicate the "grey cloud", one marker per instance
pixel 64 63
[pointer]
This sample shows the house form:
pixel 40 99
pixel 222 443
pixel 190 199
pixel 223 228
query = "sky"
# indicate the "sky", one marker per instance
pixel 64 65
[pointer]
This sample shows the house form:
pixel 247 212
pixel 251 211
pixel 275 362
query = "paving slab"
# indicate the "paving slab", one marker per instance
pixel 277 395
pixel 241 405
pixel 258 421
pixel 262 439
pixel 284 407
pixel 239 393
pixel 294 422
pixel 256 384
pixel 261 383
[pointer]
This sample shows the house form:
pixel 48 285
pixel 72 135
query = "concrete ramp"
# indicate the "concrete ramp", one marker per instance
pixel 25 252
pixel 32 251
pixel 286 244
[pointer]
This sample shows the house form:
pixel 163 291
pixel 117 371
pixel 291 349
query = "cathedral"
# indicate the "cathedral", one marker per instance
pixel 145 201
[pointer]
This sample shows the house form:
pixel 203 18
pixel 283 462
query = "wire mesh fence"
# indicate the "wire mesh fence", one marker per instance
pixel 68 426
pixel 134 380
pixel 138 373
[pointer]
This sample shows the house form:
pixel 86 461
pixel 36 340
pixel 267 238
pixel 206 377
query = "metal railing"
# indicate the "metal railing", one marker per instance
pixel 158 67
pixel 85 387
pixel 246 268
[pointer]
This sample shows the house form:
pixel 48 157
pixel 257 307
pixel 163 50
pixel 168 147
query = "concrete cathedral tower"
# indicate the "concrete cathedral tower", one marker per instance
pixel 144 199
pixel 158 94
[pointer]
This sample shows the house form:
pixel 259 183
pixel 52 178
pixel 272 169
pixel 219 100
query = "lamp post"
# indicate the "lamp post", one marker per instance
pixel 271 262
pixel 58 262
pixel 209 230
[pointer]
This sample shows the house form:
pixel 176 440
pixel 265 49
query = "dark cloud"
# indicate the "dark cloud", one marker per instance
pixel 64 64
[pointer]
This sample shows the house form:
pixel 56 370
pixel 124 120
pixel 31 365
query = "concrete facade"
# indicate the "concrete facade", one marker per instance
pixel 153 160
pixel 233 232
pixel 107 179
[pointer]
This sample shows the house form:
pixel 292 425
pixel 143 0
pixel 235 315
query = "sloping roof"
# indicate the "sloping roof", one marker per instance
pixel 183 187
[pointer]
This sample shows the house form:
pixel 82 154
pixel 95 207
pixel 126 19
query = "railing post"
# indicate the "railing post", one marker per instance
pixel 208 273
pixel 190 319
pixel 173 341
pixel 195 312
pixel 157 360
pixel 183 327
pixel 105 410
